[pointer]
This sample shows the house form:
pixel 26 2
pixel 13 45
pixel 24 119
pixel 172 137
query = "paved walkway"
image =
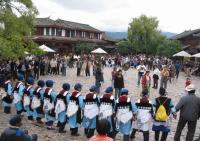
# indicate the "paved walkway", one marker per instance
pixel 174 90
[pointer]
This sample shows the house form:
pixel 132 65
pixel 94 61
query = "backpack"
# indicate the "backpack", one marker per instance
pixel 161 113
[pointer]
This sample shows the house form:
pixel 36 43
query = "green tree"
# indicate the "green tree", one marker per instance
pixel 168 48
pixel 17 16
pixel 143 34
pixel 82 47
pixel 125 47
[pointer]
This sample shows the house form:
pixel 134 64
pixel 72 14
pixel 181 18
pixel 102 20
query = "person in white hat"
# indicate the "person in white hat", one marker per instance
pixel 189 107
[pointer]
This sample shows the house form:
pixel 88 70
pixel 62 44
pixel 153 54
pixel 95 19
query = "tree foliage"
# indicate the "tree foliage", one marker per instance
pixel 168 48
pixel 124 47
pixel 144 37
pixel 82 47
pixel 17 16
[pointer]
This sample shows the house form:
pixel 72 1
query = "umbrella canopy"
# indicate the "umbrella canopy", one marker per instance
pixel 99 51
pixel 46 48
pixel 196 55
pixel 182 54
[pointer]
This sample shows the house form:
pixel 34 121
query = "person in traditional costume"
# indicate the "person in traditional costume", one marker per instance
pixel 106 109
pixel 18 94
pixel 91 111
pixel 49 104
pixel 159 125
pixel 27 98
pixel 144 116
pixel 125 113
pixel 37 102
pixel 61 107
pixel 75 105
pixel 8 99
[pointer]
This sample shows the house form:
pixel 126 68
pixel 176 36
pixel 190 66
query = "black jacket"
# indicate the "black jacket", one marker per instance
pixel 119 82
pixel 17 134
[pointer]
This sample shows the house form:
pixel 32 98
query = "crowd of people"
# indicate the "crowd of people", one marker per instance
pixel 112 112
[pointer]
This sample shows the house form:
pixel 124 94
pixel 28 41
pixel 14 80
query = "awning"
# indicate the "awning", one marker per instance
pixel 46 49
pixel 196 55
pixel 99 51
pixel 182 54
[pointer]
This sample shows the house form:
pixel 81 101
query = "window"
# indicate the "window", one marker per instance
pixel 59 32
pixel 53 31
pixel 47 31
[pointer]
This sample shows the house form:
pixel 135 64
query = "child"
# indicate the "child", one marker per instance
pixel 187 82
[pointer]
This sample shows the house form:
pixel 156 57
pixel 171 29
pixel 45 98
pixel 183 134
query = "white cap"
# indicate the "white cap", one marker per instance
pixel 190 87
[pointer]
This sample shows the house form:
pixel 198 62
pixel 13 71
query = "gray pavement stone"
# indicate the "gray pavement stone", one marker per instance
pixel 174 90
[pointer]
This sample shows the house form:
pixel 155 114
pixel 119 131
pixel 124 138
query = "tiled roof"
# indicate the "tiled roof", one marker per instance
pixel 63 23
pixel 185 34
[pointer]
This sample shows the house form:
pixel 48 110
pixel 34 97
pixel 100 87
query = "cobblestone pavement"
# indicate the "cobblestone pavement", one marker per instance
pixel 130 76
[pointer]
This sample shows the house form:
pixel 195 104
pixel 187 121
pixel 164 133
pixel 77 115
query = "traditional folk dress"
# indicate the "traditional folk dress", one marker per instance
pixel 18 94
pixel 163 126
pixel 27 98
pixel 106 110
pixel 49 106
pixel 7 100
pixel 144 117
pixel 61 107
pixel 37 103
pixel 91 111
pixel 124 112
pixel 75 104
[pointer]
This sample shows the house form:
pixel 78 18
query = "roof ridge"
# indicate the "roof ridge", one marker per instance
pixel 72 22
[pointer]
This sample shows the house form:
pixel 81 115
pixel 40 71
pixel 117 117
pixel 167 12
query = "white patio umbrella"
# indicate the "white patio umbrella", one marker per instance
pixel 196 55
pixel 46 48
pixel 99 51
pixel 182 54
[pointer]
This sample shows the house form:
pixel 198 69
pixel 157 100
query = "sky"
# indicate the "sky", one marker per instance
pixel 115 15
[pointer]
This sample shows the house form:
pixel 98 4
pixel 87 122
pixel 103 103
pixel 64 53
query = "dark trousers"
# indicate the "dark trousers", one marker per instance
pixel 7 110
pixel 163 138
pixel 87 72
pixel 89 132
pixel 155 83
pixel 126 138
pixel 61 126
pixel 78 71
pixel 74 131
pixel 177 74
pixel 36 74
pixel 191 129
pixel 145 134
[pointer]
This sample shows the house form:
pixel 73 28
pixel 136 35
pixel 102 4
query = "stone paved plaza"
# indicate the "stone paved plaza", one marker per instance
pixel 174 91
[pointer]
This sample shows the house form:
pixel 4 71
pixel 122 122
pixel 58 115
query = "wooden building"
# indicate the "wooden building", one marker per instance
pixel 62 35
pixel 190 40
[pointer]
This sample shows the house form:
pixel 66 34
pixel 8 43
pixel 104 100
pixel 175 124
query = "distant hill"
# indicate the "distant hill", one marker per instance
pixel 123 35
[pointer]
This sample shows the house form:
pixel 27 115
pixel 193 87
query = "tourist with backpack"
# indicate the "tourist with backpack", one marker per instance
pixel 163 108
